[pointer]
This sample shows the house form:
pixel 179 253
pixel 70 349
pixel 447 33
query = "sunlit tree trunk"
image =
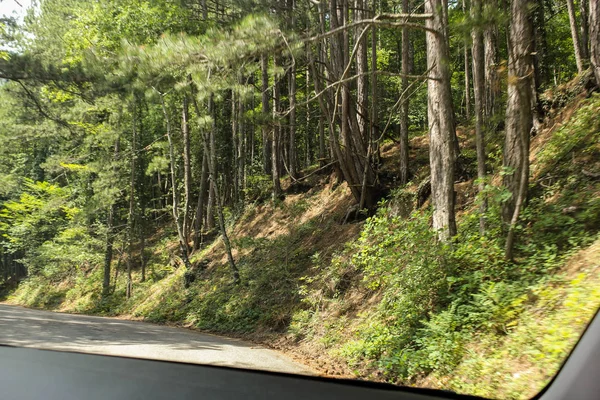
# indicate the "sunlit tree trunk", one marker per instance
pixel 575 36
pixel 276 151
pixel 361 71
pixel 490 44
pixel 110 234
pixel 187 173
pixel 266 141
pixel 442 153
pixel 467 72
pixel 131 214
pixel 519 119
pixel 175 205
pixel 584 29
pixel 210 148
pixel 201 202
pixel 477 51
pixel 406 69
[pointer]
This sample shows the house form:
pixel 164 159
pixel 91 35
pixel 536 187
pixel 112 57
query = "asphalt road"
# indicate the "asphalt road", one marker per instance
pixel 49 330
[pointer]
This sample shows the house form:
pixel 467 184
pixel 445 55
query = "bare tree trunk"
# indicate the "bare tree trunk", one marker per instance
pixel 479 89
pixel 519 119
pixel 490 44
pixel 585 44
pixel 108 252
pixel 142 234
pixel 362 96
pixel 293 157
pixel 241 156
pixel 110 234
pixel 234 146
pixel 175 205
pixel 595 38
pixel 187 173
pixel 276 151
pixel 309 135
pixel 540 49
pixel 374 96
pixel 200 206
pixel 266 142
pixel 406 69
pixel 442 153
pixel 210 149
pixel 467 77
pixel 210 208
pixel 575 36
pixel 131 215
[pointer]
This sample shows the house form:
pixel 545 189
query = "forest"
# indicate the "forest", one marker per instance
pixel 397 190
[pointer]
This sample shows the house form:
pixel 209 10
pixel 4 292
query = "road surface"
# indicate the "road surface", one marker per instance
pixel 48 330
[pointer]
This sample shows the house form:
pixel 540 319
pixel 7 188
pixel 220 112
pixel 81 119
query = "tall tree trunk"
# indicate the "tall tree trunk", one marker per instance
pixel 210 149
pixel 309 134
pixel 234 146
pixel 175 205
pixel 266 141
pixel 575 36
pixel 490 44
pixel 108 252
pixel 519 119
pixel 374 95
pixel 187 173
pixel 595 38
pixel 585 44
pixel 131 215
pixel 362 95
pixel 276 150
pixel 241 156
pixel 110 234
pixel 540 49
pixel 406 69
pixel 210 208
pixel 142 236
pixel 201 196
pixel 479 89
pixel 292 115
pixel 442 153
pixel 467 76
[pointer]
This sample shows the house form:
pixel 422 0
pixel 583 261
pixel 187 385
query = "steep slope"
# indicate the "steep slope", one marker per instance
pixel 381 298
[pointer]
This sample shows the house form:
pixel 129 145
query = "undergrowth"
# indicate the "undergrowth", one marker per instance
pixel 393 303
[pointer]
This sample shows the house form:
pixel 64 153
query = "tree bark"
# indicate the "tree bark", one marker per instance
pixel 406 69
pixel 477 51
pixel 575 36
pixel 276 150
pixel 585 44
pixel 108 253
pixel 131 215
pixel 266 141
pixel 210 149
pixel 442 153
pixel 234 146
pixel 187 173
pixel 361 71
pixel 492 83
pixel 467 76
pixel 241 155
pixel 175 206
pixel 201 203
pixel 595 38
pixel 519 121
pixel 293 157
